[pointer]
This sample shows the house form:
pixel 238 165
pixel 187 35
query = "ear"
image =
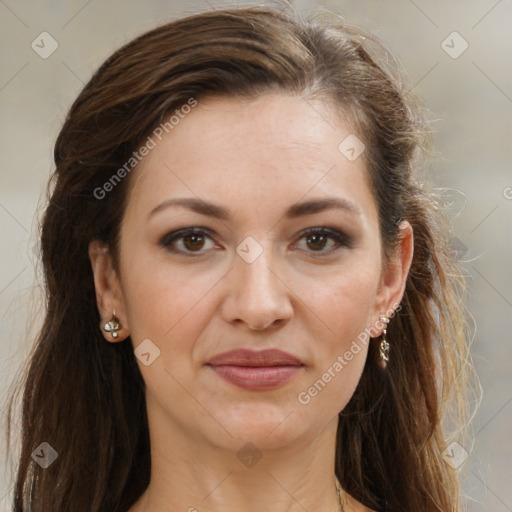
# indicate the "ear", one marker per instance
pixel 108 290
pixel 394 274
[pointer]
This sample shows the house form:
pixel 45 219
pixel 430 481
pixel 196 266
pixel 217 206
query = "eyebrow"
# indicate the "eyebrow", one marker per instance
pixel 294 211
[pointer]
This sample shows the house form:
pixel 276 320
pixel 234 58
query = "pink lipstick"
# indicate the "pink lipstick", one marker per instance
pixel 256 370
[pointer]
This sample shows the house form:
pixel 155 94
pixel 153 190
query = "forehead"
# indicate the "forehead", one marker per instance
pixel 272 149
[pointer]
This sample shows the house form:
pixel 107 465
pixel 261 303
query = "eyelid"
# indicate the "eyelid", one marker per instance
pixel 178 234
pixel 341 238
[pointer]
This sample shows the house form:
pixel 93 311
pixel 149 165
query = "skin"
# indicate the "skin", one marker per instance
pixel 309 298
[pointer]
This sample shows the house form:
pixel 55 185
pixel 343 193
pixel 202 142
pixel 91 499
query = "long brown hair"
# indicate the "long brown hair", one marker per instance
pixel 85 397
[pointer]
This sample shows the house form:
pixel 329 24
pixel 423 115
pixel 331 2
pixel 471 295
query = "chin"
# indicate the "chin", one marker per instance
pixel 268 427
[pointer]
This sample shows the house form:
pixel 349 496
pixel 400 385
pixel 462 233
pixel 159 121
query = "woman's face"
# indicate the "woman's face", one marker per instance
pixel 251 179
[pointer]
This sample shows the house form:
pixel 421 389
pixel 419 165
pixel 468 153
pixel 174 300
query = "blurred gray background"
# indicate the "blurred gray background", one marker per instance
pixel 458 57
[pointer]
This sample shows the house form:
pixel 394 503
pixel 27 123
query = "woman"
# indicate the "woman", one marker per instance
pixel 251 302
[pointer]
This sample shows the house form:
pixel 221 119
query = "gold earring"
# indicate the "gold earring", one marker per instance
pixel 113 325
pixel 384 345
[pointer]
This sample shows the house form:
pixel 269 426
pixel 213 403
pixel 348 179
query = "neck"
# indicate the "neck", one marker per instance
pixel 191 476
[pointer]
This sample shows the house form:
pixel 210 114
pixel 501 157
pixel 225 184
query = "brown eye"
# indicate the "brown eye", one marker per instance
pixel 193 242
pixel 187 241
pixel 317 240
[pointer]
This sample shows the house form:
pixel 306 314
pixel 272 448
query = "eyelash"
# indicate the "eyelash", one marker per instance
pixel 341 239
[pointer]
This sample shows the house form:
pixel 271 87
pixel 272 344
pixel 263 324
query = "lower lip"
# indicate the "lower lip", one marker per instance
pixel 257 377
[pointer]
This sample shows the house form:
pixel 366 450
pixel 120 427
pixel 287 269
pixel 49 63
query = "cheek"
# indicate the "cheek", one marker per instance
pixel 344 305
pixel 340 355
pixel 170 308
pixel 164 303
pixel 342 300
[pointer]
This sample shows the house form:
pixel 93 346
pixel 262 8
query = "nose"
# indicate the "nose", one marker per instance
pixel 258 296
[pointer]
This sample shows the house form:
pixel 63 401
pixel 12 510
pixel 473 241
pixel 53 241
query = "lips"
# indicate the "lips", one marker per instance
pixel 256 370
pixel 245 357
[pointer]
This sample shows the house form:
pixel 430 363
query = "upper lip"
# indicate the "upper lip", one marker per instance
pixel 256 358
